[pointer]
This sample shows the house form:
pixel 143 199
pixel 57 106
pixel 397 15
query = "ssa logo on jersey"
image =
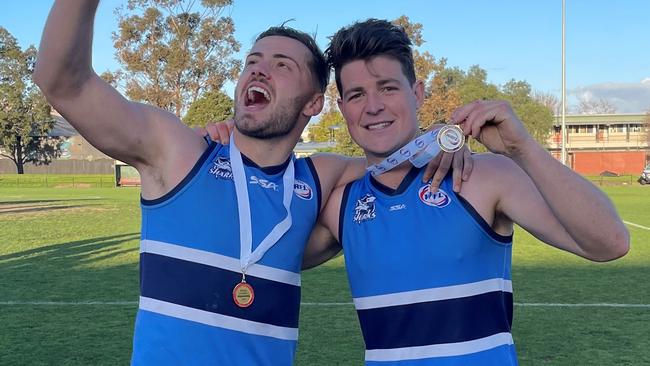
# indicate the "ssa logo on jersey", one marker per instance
pixel 439 199
pixel 302 190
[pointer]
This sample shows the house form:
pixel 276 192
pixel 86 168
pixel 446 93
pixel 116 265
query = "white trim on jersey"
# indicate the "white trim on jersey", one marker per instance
pixel 440 350
pixel 217 320
pixel 218 260
pixel 433 294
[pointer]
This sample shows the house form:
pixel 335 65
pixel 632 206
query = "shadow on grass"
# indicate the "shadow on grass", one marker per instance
pixel 94 269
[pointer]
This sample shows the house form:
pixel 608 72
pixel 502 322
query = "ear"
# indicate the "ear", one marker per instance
pixel 418 89
pixel 314 106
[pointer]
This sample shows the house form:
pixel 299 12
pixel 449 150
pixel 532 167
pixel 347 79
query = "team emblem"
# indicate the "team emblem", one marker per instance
pixel 439 199
pixel 221 168
pixel 302 190
pixel 365 209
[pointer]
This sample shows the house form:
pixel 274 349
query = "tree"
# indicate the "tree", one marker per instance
pixel 550 101
pixel 173 51
pixel 595 106
pixel 25 118
pixel 213 106
pixel 537 118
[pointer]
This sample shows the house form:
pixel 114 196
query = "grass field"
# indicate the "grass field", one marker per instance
pixel 69 283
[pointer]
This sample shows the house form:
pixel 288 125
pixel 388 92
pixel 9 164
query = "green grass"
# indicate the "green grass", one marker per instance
pixel 57 180
pixel 79 245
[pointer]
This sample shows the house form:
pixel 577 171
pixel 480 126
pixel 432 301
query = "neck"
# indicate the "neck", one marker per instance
pixel 394 177
pixel 265 152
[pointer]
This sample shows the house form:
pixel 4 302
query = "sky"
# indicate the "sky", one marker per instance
pixel 607 53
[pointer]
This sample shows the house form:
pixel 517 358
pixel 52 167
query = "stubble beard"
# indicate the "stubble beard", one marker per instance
pixel 279 124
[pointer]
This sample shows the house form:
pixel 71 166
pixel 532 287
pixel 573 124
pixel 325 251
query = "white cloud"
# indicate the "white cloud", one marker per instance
pixel 627 97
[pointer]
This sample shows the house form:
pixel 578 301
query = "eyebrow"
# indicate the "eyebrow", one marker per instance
pixel 380 83
pixel 276 55
pixel 383 82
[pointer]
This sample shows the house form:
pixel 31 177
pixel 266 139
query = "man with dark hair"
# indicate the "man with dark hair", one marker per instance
pixel 430 272
pixel 214 287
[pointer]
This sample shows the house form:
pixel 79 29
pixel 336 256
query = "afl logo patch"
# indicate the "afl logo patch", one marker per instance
pixel 439 199
pixel 302 190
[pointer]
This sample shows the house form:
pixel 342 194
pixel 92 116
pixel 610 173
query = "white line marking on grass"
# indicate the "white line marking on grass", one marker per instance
pixel 636 225
pixel 318 304
pixel 597 305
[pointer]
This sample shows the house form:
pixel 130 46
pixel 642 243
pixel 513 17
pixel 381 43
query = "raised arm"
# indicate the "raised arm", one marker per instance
pixel 150 139
pixel 582 209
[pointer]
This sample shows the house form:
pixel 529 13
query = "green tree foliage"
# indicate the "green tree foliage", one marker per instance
pixel 327 127
pixel 173 51
pixel 213 106
pixel 537 118
pixel 25 118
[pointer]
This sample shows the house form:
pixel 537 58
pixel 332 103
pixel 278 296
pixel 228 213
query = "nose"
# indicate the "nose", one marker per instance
pixel 374 104
pixel 261 70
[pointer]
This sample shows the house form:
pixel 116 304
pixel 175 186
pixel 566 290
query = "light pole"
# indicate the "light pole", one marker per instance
pixel 563 129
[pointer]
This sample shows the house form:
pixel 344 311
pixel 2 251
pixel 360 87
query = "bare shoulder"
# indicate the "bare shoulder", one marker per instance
pixel 336 170
pixel 496 168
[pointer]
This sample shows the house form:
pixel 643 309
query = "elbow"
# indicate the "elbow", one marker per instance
pixel 55 84
pixel 617 247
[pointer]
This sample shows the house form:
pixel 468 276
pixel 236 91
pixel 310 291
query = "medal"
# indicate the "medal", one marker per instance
pixel 243 293
pixel 422 149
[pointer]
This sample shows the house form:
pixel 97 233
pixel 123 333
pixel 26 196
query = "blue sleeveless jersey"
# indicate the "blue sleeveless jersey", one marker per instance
pixel 189 265
pixel 430 280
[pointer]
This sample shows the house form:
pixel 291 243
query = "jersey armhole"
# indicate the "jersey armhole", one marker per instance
pixel 342 209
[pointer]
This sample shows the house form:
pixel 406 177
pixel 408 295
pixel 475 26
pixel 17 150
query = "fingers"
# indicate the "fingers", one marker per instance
pixel 441 171
pixel 457 170
pixel 431 168
pixel 224 132
pixel 219 132
pixel 468 163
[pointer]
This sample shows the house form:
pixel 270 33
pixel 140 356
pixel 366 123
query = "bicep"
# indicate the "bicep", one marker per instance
pixel 521 202
pixel 113 124
pixel 324 241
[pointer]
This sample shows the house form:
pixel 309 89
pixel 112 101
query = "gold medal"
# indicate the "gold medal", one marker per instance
pixel 243 293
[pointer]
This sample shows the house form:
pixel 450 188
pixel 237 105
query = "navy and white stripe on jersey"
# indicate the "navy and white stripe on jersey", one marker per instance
pixel 430 279
pixel 189 265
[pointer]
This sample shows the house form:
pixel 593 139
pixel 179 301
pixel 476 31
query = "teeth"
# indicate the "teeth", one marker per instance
pixel 377 126
pixel 259 90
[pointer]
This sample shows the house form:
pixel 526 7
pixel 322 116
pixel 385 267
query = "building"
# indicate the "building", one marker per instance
pixel 600 143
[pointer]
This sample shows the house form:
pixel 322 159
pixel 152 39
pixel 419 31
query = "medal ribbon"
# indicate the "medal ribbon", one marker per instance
pixel 409 152
pixel 422 149
pixel 247 256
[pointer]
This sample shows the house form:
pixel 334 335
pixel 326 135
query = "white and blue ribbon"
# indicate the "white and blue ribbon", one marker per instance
pixel 247 255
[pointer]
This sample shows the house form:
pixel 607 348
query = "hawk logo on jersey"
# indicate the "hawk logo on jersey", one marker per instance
pixel 221 168
pixel 439 199
pixel 302 190
pixel 365 209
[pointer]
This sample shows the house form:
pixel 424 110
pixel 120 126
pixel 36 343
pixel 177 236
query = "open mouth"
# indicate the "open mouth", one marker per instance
pixel 257 96
pixel 379 125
